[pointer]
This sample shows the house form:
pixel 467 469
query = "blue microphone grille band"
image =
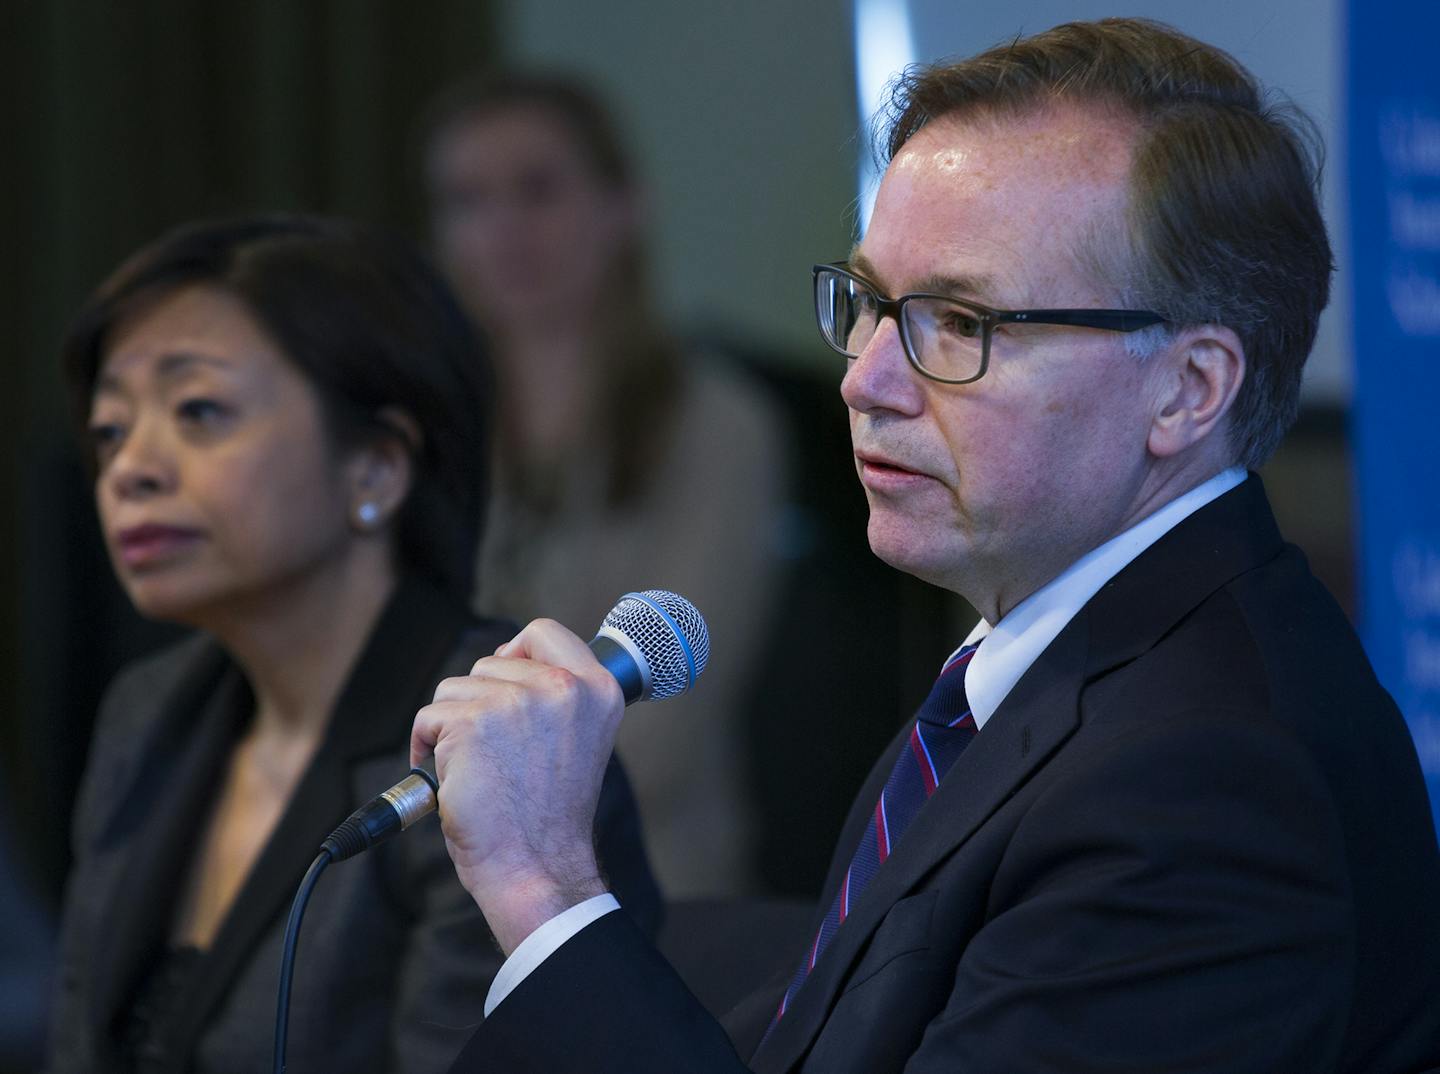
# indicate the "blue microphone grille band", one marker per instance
pixel 671 634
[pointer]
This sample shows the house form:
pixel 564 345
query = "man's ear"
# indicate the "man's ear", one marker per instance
pixel 382 471
pixel 1199 378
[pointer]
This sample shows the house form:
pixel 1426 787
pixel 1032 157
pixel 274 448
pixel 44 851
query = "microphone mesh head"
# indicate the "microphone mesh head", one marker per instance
pixel 670 633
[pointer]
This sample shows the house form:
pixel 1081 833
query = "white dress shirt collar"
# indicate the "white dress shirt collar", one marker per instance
pixel 1014 643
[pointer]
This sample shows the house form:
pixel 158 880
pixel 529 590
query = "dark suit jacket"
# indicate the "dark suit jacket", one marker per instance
pixel 394 959
pixel 1194 837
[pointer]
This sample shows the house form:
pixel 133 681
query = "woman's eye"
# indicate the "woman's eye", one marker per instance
pixel 200 411
pixel 105 437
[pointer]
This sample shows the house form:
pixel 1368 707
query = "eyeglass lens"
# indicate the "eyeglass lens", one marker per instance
pixel 946 340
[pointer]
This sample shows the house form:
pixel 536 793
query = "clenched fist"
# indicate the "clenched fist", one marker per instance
pixel 521 745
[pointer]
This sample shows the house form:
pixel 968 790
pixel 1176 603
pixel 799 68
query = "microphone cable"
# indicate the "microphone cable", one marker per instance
pixel 287 954
pixel 383 816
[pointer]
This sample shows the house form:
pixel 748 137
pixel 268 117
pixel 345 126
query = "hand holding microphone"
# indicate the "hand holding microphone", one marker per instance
pixel 655 644
pixel 520 747
pixel 522 742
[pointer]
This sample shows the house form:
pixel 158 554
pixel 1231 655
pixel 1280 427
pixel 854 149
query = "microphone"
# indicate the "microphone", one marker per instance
pixel 655 643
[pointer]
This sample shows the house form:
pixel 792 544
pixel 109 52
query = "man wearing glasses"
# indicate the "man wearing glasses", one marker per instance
pixel 1156 813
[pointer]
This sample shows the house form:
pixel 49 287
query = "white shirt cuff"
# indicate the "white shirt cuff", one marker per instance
pixel 544 942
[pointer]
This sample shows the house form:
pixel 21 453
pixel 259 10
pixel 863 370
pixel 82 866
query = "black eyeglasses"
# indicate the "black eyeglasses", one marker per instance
pixel 946 339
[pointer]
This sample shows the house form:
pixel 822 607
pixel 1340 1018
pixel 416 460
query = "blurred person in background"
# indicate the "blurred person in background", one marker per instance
pixel 623 462
pixel 288 423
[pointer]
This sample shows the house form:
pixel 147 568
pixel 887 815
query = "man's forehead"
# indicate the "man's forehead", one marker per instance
pixel 987 196
pixel 1064 143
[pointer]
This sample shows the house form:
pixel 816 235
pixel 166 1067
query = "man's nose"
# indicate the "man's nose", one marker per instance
pixel 881 378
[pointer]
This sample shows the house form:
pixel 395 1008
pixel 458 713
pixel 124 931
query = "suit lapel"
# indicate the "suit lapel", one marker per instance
pixel 1229 536
pixel 409 646
pixel 169 780
pixel 1033 721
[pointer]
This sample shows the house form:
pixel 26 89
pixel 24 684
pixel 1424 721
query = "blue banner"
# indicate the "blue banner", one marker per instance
pixel 1394 155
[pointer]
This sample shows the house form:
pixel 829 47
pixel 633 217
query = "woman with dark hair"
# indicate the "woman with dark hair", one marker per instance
pixel 622 460
pixel 288 419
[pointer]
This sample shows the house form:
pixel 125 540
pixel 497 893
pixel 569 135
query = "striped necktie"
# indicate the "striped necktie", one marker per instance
pixel 943 728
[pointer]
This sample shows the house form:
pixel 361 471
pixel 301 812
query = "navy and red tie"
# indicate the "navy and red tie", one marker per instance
pixel 943 728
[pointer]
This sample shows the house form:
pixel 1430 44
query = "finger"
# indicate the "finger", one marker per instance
pixel 550 643
pixel 431 724
pixel 424 733
pixel 490 673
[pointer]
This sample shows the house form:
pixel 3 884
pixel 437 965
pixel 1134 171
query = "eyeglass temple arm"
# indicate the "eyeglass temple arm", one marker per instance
pixel 1114 320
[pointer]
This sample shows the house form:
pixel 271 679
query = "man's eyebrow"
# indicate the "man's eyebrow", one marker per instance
pixel 973 287
pixel 170 366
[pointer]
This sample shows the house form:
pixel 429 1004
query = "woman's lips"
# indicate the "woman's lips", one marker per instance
pixel 142 546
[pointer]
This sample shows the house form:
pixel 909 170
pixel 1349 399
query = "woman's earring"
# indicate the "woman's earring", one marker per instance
pixel 368 513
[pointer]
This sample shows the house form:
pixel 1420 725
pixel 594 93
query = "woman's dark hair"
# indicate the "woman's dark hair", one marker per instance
pixel 642 366
pixel 371 327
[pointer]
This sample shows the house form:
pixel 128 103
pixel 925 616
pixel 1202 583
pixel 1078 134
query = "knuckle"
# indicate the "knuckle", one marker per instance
pixel 610 686
pixel 448 687
pixel 562 683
